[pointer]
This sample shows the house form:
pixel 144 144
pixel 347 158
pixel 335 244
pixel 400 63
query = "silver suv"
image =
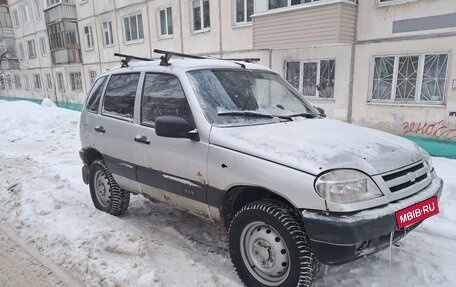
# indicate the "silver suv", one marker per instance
pixel 234 143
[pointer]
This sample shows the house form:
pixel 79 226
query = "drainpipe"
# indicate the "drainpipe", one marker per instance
pixel 98 40
pixel 352 71
pixel 220 27
pixel 180 24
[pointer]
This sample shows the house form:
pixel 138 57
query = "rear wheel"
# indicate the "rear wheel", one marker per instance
pixel 269 247
pixel 106 194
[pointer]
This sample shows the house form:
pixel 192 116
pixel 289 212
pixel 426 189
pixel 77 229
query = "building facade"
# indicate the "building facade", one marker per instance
pixel 405 68
pixel 387 64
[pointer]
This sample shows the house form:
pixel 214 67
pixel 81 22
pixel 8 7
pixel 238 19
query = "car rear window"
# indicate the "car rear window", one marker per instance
pixel 95 95
pixel 119 99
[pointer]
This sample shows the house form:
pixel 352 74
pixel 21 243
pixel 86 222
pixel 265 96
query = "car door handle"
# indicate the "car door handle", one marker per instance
pixel 100 129
pixel 142 139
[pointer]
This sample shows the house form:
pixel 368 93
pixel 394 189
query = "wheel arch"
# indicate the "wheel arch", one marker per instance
pixel 238 196
pixel 89 155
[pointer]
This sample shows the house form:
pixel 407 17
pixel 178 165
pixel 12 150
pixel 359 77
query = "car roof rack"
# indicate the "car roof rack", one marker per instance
pixel 168 54
pixel 128 58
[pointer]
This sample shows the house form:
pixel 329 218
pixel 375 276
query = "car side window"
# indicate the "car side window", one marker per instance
pixel 119 99
pixel 163 95
pixel 95 95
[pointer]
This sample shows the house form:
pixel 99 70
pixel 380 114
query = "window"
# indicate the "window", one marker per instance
pixel 31 49
pixel 76 83
pixel 60 82
pixel 54 2
pixel 17 24
pixel 119 99
pixel 387 2
pixel 9 84
pixel 163 96
pixel 38 10
pixel 166 21
pixel 17 82
pixel 410 78
pixel 312 78
pixel 107 33
pixel 93 76
pixel 5 19
pixel 244 11
pixel 36 81
pixel 49 81
pixel 133 28
pixel 88 37
pixel 200 15
pixel 25 12
pixel 95 95
pixel 43 46
pixel 21 50
pixel 274 4
pixel 26 82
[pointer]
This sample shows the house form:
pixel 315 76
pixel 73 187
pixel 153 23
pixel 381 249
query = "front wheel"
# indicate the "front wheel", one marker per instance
pixel 106 194
pixel 269 246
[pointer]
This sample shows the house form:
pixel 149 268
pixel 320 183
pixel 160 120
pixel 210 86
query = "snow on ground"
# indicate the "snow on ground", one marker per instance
pixel 44 200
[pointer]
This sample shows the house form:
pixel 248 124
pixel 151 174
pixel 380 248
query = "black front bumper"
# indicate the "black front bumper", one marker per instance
pixel 338 238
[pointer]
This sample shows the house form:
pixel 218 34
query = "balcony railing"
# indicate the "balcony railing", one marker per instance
pixel 60 11
pixel 67 56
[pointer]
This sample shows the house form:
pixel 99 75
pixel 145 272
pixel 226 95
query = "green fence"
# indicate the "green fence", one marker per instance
pixel 436 147
pixel 70 106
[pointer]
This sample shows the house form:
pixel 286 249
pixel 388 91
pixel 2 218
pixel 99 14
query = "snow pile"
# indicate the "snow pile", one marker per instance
pixel 44 200
pixel 47 102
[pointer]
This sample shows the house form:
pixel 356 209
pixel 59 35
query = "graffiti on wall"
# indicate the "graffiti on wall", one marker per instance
pixel 432 129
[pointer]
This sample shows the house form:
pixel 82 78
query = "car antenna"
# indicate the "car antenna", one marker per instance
pixel 127 58
pixel 168 54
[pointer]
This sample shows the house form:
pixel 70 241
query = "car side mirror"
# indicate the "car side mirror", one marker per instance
pixel 321 111
pixel 175 127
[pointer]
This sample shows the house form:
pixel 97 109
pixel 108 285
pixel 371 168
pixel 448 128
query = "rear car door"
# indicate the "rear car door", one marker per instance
pixel 116 130
pixel 89 137
pixel 171 169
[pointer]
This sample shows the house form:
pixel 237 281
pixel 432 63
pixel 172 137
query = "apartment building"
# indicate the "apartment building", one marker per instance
pixel 202 27
pixel 9 65
pixel 387 64
pixel 35 78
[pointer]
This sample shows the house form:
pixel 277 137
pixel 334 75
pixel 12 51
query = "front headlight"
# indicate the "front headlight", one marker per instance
pixel 346 186
pixel 427 158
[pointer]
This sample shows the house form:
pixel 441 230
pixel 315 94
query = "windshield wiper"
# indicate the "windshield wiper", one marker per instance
pixel 245 113
pixel 305 115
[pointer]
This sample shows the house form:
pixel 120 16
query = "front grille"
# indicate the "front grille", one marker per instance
pixel 406 178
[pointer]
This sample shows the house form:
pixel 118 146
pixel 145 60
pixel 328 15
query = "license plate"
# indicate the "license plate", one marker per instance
pixel 417 212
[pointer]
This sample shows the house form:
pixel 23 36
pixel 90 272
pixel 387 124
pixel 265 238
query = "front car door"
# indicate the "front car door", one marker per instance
pixel 171 170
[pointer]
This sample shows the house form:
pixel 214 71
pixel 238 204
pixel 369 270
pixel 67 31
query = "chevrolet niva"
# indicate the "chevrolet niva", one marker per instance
pixel 234 143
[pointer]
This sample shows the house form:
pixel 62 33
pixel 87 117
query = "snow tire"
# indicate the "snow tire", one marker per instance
pixel 303 266
pixel 118 199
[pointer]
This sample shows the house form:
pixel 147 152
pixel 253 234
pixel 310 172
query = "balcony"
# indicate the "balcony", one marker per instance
pixel 67 56
pixel 316 23
pixel 60 11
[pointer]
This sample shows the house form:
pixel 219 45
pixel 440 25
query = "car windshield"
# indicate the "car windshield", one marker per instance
pixel 245 97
